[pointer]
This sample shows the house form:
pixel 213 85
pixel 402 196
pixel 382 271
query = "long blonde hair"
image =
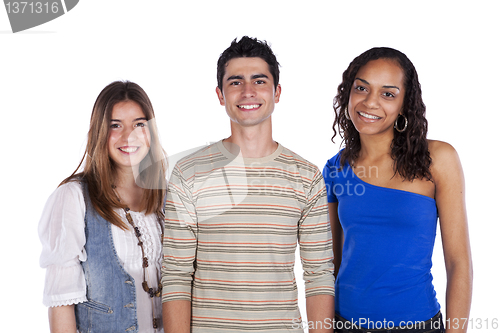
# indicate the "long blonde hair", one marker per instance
pixel 99 169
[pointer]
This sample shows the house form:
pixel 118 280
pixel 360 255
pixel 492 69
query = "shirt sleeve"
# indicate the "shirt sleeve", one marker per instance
pixel 62 233
pixel 315 241
pixel 329 174
pixel 179 243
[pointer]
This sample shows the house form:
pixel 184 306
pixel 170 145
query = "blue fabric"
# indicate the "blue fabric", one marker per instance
pixel 388 242
pixel 111 301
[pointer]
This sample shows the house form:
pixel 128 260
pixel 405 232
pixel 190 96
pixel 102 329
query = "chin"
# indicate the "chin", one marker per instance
pixel 373 131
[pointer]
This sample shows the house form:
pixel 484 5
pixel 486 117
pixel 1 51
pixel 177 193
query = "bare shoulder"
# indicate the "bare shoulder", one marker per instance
pixel 445 160
pixel 441 149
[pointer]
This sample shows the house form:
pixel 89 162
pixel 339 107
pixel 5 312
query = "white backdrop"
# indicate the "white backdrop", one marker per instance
pixel 51 75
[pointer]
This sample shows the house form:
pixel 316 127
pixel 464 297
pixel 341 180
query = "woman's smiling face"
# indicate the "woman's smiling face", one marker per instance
pixel 376 97
pixel 129 138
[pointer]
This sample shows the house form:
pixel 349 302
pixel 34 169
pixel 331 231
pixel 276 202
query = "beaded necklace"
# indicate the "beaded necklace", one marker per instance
pixel 152 293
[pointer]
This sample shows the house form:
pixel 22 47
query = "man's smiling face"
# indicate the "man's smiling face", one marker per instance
pixel 248 91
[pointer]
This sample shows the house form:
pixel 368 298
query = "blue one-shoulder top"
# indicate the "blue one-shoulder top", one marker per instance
pixel 389 236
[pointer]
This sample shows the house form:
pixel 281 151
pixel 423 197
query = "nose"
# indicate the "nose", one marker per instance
pixel 371 101
pixel 130 134
pixel 248 90
pixel 139 136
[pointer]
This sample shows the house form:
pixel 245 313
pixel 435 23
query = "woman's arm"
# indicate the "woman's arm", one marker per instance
pixel 450 199
pixel 62 319
pixel 62 233
pixel 337 235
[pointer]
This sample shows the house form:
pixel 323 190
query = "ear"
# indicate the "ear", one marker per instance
pixel 220 96
pixel 277 94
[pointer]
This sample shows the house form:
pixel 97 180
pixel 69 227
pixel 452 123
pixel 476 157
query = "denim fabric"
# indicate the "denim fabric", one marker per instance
pixel 111 296
pixel 433 325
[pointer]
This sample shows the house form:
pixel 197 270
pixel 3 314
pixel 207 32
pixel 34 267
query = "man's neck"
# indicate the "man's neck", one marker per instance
pixel 253 141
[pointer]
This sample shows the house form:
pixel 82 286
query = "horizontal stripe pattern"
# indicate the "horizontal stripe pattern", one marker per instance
pixel 231 230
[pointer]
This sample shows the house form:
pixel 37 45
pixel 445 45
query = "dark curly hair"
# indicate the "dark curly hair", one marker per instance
pixel 248 47
pixel 409 149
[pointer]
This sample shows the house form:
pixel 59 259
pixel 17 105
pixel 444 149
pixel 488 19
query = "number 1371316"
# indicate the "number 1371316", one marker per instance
pixel 31 7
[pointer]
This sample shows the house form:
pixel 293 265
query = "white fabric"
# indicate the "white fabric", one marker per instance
pixel 62 233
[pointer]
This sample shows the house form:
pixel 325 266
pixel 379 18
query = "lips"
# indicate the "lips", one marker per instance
pixel 249 106
pixel 128 149
pixel 369 116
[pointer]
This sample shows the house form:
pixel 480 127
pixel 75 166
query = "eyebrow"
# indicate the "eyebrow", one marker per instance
pixel 366 82
pixel 254 76
pixel 136 119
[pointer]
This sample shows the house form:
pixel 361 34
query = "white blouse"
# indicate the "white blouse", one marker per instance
pixel 62 233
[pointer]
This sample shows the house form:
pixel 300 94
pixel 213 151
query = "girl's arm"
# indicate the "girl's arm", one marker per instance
pixel 450 199
pixel 62 233
pixel 337 235
pixel 62 319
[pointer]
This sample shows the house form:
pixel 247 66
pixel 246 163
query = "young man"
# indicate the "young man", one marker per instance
pixel 234 213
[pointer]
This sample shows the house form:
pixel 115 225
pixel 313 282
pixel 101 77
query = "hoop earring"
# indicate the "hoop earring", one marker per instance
pixel 396 123
pixel 347 114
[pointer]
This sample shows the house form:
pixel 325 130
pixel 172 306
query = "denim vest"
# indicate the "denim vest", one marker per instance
pixel 111 297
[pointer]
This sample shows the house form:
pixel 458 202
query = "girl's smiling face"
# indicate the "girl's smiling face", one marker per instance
pixel 376 97
pixel 129 138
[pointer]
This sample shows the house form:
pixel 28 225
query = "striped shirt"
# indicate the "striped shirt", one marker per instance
pixel 231 230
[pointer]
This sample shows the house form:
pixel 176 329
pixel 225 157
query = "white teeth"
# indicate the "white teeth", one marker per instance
pixel 129 149
pixel 369 116
pixel 248 107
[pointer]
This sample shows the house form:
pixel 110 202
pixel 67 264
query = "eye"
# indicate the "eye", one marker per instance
pixel 260 82
pixel 360 88
pixel 114 126
pixel 389 94
pixel 234 83
pixel 141 125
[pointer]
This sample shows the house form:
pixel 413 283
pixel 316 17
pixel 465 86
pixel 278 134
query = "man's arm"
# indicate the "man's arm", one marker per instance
pixel 179 255
pixel 177 316
pixel 321 312
pixel 315 240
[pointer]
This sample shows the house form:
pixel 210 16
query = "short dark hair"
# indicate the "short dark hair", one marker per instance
pixel 410 150
pixel 248 47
